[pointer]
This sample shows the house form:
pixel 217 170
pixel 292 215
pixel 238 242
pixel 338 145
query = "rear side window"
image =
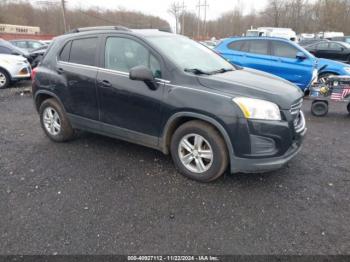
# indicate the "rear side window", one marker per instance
pixel 235 45
pixel 259 47
pixel 282 49
pixel 83 51
pixel 20 44
pixel 322 46
pixel 64 55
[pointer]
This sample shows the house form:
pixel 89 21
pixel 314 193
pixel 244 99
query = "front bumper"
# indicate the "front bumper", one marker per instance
pixel 22 73
pixel 244 165
pixel 260 163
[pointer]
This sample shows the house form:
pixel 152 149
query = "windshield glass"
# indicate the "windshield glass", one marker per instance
pixel 252 33
pixel 347 45
pixel 190 55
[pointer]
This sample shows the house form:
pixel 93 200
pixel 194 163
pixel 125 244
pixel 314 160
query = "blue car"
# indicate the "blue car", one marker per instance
pixel 280 57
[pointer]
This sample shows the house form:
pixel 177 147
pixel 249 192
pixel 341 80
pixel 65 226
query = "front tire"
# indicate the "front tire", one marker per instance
pixel 199 152
pixel 4 79
pixel 54 121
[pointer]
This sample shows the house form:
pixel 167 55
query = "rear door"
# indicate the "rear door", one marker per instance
pixel 286 64
pixel 77 67
pixel 258 55
pixel 322 50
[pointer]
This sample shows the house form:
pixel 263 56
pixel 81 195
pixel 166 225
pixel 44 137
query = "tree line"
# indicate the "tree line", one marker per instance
pixel 48 17
pixel 304 16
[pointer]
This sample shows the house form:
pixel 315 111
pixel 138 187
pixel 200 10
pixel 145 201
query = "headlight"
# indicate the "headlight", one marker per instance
pixel 347 69
pixel 258 109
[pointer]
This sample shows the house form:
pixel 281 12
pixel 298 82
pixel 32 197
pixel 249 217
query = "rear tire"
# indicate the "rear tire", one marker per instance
pixel 5 79
pixel 319 108
pixel 199 152
pixel 348 108
pixel 54 121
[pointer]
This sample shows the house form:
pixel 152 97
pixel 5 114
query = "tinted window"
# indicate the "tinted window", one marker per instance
pixel 64 55
pixel 335 47
pixel 245 46
pixel 235 45
pixel 122 54
pixel 5 50
pixel 21 44
pixel 322 46
pixel 282 49
pixel 83 51
pixel 34 45
pixel 259 47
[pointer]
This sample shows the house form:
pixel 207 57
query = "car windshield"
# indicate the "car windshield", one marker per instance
pixel 347 45
pixel 191 56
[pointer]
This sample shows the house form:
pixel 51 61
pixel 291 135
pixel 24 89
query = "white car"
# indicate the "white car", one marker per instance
pixel 13 68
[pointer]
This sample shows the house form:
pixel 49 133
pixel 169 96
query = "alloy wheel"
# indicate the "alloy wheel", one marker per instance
pixel 52 121
pixel 195 153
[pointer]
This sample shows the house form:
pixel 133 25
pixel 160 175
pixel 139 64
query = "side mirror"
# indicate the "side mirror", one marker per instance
pixel 301 56
pixel 141 73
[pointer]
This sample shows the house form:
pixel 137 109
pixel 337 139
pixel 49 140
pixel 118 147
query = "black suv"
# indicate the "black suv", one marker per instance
pixel 170 93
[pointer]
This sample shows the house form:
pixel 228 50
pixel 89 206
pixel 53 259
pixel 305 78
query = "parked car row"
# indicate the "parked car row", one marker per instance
pixel 17 58
pixel 282 58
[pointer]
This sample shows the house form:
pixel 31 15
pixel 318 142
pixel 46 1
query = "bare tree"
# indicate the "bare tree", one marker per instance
pixel 175 10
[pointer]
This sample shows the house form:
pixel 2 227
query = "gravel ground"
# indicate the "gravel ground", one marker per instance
pixel 97 195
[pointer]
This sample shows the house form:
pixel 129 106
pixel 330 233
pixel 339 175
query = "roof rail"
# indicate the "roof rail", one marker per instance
pixel 86 29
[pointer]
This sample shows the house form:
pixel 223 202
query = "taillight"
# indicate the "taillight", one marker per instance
pixel 33 74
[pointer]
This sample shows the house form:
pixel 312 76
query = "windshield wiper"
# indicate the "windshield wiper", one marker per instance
pixel 197 71
pixel 221 71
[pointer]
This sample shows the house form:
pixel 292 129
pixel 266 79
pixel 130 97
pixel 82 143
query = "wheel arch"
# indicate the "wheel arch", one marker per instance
pixel 180 118
pixel 327 72
pixel 6 71
pixel 43 95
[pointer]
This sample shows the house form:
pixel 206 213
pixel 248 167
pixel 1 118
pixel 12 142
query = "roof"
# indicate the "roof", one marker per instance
pixel 257 38
pixel 110 29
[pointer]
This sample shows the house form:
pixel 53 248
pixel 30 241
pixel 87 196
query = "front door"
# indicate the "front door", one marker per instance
pixel 128 105
pixel 288 66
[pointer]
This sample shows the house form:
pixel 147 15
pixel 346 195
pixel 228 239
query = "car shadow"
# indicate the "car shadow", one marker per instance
pixel 154 157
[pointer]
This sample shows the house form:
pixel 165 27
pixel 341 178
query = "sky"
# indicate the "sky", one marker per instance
pixel 160 7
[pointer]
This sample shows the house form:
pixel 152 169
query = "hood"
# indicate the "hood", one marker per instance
pixel 255 84
pixel 322 62
pixel 13 58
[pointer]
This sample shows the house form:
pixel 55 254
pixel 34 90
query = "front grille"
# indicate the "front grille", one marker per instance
pixel 295 108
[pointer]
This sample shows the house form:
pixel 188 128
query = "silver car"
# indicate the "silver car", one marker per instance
pixel 13 68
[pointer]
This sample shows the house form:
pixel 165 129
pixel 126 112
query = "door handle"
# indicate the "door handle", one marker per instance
pixel 60 70
pixel 105 83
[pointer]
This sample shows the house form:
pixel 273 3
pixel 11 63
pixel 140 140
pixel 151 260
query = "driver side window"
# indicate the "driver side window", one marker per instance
pixel 122 54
